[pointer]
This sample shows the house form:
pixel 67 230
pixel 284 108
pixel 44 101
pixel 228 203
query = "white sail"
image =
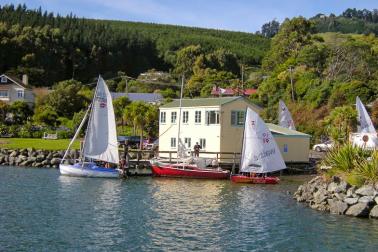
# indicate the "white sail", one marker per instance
pixel 284 116
pixel 365 123
pixel 260 152
pixel 101 137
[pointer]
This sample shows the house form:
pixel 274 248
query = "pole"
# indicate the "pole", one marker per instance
pixel 291 82
pixel 179 118
pixel 242 76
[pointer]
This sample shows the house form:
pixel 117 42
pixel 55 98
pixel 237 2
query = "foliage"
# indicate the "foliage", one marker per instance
pixel 340 122
pixel 270 29
pixel 45 115
pixel 45 144
pixel 367 169
pixel 20 111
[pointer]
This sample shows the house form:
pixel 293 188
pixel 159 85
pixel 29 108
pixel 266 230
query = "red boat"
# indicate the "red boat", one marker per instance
pixel 240 178
pixel 188 171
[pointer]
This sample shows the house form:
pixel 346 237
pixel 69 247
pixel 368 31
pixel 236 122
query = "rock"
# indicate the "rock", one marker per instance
pixel 342 187
pixel 366 199
pixel 40 158
pixel 367 190
pixel 55 161
pixel 340 196
pixel 57 155
pixel 374 212
pixel 332 187
pixel 14 153
pixel 320 196
pixel 376 200
pixel 46 162
pixel 49 156
pixel 32 159
pixel 359 210
pixel 351 191
pixel 351 201
pixel 337 206
pixel 336 179
pixel 38 164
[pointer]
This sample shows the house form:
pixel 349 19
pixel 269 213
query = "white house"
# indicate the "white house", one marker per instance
pixel 217 124
pixel 12 89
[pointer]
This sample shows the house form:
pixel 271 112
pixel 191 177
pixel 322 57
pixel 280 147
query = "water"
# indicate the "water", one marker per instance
pixel 42 211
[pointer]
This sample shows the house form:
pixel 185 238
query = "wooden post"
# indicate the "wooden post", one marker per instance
pixel 170 157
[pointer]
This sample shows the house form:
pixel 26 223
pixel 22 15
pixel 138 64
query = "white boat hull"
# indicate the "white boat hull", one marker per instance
pixel 76 171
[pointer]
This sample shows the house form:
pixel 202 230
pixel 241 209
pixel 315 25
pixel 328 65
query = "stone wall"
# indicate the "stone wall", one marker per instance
pixel 34 158
pixel 339 197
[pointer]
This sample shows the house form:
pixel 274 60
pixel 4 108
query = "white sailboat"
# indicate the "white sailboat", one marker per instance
pixel 284 116
pixel 366 136
pixel 100 142
pixel 260 153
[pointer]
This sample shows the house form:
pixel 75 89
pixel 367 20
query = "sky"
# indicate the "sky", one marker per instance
pixel 236 15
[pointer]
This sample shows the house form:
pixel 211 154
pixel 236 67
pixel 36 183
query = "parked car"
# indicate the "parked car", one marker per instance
pixel 133 141
pixel 326 146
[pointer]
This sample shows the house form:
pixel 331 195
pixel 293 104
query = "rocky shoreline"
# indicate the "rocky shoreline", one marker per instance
pixel 34 158
pixel 338 197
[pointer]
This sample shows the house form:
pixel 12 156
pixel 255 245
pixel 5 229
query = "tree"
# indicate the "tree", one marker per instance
pixel 340 122
pixel 119 106
pixel 270 29
pixel 66 98
pixel 46 115
pixel 20 111
pixel 185 60
pixel 4 108
pixel 141 114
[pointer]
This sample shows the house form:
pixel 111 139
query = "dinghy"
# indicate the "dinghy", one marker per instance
pixel 260 153
pixel 100 142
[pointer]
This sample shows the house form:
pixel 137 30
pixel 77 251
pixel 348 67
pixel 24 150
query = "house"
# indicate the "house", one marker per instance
pixel 217 124
pixel 217 91
pixel 13 89
pixel 152 98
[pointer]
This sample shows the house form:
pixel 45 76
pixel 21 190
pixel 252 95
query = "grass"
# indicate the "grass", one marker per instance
pixel 36 143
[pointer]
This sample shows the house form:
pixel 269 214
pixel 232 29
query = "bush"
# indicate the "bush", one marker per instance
pixel 367 169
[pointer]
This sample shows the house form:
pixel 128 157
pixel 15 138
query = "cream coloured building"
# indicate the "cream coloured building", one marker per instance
pixel 217 124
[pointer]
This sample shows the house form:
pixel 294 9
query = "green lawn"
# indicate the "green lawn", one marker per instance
pixel 36 143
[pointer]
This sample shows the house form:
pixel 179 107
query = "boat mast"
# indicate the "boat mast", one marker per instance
pixel 179 118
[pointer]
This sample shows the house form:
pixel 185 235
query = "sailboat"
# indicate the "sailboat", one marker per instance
pixel 260 153
pixel 186 166
pixel 100 142
pixel 284 117
pixel 366 136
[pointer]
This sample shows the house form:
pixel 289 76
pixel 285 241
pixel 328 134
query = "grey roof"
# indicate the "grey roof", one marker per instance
pixel 146 97
pixel 197 102
pixel 285 131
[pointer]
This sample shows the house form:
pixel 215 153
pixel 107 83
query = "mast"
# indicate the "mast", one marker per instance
pixel 179 118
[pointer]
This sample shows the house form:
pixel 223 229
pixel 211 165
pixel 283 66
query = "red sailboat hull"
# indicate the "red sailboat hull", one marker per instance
pixel 239 178
pixel 188 171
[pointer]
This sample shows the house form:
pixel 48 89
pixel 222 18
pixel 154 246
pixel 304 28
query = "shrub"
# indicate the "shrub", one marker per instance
pixel 368 169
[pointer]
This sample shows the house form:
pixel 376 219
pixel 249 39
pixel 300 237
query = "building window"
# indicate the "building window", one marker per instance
pixel 3 93
pixel 173 142
pixel 237 118
pixel 188 142
pixel 173 117
pixel 203 143
pixel 20 93
pixel 185 117
pixel 4 79
pixel 212 117
pixel 197 117
pixel 162 117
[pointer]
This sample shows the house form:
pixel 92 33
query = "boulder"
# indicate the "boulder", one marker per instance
pixel 366 199
pixel 366 190
pixel 55 161
pixel 336 179
pixel 351 191
pixel 340 196
pixel 351 201
pixel 14 153
pixel 374 212
pixel 342 187
pixel 359 210
pixel 376 200
pixel 320 196
pixel 332 187
pixel 337 206
pixel 57 155
pixel 46 162
pixel 40 158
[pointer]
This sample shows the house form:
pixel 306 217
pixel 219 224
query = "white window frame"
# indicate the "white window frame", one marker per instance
pixel 202 142
pixel 217 117
pixel 173 142
pixel 188 142
pixel 163 117
pixel 4 79
pixel 237 118
pixel 173 117
pixel 185 116
pixel 5 92
pixel 197 116
pixel 20 91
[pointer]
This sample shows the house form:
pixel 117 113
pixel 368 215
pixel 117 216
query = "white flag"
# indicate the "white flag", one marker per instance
pixel 365 123
pixel 284 116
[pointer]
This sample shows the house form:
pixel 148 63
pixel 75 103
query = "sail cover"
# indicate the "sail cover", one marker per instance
pixel 260 152
pixel 365 123
pixel 101 138
pixel 284 116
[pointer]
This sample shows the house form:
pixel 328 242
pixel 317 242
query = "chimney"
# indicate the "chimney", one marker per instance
pixel 25 80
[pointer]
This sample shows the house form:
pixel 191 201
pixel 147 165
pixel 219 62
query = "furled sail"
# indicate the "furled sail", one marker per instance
pixel 260 152
pixel 284 116
pixel 365 123
pixel 101 137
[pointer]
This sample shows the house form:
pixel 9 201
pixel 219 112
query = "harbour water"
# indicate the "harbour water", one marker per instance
pixel 43 211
